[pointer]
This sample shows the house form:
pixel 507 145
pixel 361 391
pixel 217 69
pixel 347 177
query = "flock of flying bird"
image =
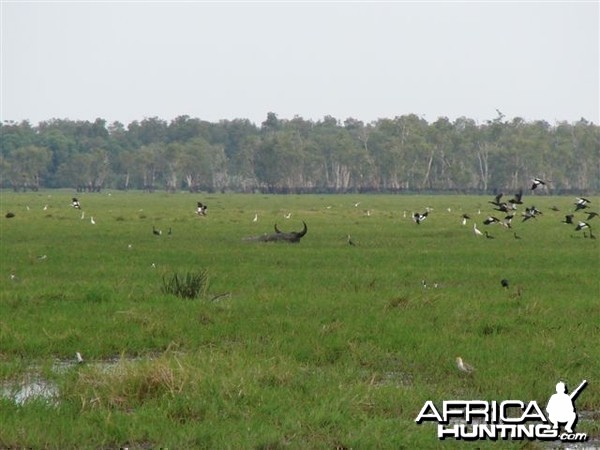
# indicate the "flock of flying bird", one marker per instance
pixel 509 208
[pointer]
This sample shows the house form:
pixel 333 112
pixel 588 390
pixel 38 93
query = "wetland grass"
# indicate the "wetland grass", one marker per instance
pixel 318 344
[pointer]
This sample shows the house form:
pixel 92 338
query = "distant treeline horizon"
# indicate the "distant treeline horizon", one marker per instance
pixel 402 154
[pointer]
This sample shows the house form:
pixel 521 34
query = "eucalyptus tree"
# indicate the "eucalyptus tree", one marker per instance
pixel 203 165
pixel 27 166
pixel 277 161
pixel 149 165
pixel 15 135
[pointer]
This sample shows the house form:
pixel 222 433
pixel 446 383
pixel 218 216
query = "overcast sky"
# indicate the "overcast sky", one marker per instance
pixel 124 61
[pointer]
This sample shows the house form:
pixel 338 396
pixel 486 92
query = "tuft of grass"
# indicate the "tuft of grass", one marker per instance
pixel 191 285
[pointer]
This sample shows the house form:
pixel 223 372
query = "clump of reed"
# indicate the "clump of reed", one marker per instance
pixel 189 285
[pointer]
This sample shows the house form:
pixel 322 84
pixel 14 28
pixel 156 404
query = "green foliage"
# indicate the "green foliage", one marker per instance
pixel 189 286
pixel 405 154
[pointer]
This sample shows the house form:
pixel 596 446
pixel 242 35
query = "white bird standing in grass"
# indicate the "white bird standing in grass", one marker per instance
pixel 92 221
pixel 79 358
pixel 255 217
pixel 476 230
pixel 463 366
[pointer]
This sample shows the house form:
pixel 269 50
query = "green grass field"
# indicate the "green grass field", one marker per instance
pixel 306 346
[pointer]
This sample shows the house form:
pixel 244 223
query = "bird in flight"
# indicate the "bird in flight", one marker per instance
pixel 491 220
pixel 517 198
pixel 582 203
pixel 201 209
pixel 536 182
pixel 582 226
pixel 568 219
pixel 418 217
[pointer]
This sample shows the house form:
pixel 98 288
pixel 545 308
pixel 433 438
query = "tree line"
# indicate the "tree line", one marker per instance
pixel 402 154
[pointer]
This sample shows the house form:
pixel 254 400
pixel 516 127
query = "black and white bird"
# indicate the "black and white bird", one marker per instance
pixel 582 203
pixel 582 226
pixel 75 203
pixel 201 209
pixel 420 217
pixel 490 220
pixel 531 213
pixel 508 220
pixel 156 231
pixel 505 207
pixel 536 182
pixel 465 217
pixel 350 241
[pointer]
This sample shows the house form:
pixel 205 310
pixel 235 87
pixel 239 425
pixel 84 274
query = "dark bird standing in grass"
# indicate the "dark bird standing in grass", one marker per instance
pixel 488 235
pixel 465 217
pixel 504 283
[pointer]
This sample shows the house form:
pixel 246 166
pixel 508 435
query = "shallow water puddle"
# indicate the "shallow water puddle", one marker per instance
pixel 33 386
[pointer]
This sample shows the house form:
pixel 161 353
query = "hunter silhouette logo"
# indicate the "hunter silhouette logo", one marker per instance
pixel 561 408
pixel 509 419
